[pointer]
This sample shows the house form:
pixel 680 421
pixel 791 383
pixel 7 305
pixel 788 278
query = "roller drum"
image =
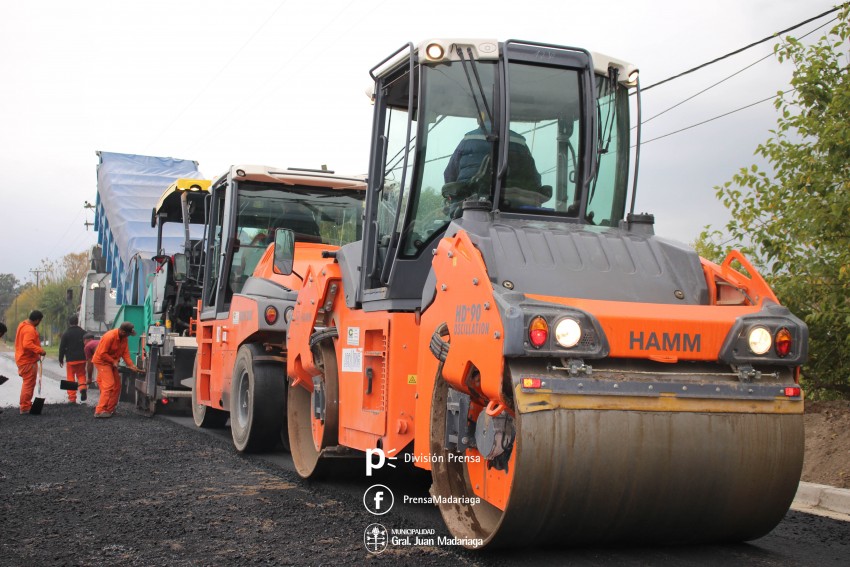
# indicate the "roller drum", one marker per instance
pixel 590 476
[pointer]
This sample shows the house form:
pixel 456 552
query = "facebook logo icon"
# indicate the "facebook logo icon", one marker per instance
pixel 378 499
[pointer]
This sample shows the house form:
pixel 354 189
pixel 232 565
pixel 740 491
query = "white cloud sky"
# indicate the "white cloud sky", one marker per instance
pixel 282 83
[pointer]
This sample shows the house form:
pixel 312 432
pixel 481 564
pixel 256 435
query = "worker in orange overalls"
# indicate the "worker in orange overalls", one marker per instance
pixel 71 348
pixel 112 348
pixel 28 352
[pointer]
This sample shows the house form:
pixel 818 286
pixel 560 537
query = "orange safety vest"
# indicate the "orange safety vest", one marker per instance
pixel 27 344
pixel 111 349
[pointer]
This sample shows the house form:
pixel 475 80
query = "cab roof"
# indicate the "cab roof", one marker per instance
pixel 294 176
pixel 486 48
pixel 169 202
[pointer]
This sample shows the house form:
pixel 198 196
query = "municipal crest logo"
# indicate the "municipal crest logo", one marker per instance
pixel 375 538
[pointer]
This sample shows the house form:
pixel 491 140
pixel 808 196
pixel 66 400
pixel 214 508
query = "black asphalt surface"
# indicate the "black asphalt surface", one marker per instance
pixel 138 491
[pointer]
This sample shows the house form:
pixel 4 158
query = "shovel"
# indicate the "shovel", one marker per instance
pixel 37 403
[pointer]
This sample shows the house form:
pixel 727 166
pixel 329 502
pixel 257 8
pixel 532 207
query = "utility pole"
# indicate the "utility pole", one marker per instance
pixel 87 205
pixel 37 276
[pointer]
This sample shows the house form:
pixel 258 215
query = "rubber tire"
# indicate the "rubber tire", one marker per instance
pixel 205 416
pixel 257 403
pixel 309 463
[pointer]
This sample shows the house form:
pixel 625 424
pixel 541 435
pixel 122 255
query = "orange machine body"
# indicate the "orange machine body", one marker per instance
pixel 220 339
pixel 387 371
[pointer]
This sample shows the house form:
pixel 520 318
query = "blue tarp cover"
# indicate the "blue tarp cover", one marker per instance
pixel 128 188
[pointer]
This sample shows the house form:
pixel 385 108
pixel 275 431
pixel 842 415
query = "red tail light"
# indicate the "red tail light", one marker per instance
pixel 793 392
pixel 532 383
pixel 782 342
pixel 538 332
pixel 271 315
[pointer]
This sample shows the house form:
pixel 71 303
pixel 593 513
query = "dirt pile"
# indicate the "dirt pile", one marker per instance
pixel 827 459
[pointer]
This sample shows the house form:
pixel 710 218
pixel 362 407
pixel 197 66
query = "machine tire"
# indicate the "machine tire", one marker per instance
pixel 307 458
pixel 257 403
pixel 205 416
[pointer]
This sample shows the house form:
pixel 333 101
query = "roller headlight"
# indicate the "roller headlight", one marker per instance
pixel 759 340
pixel 568 333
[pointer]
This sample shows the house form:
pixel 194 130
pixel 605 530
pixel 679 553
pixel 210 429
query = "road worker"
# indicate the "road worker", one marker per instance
pixel 28 353
pixel 112 348
pixel 90 344
pixel 3 330
pixel 71 347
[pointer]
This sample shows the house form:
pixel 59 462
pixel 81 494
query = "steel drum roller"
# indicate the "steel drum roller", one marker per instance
pixel 615 476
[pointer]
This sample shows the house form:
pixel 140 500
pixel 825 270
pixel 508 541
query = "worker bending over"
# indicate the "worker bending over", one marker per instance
pixel 112 348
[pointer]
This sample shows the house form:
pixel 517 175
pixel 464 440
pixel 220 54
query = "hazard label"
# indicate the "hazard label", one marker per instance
pixel 411 378
pixel 352 360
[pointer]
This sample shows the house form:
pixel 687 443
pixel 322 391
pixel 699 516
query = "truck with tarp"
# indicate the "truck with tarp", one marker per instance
pixel 128 187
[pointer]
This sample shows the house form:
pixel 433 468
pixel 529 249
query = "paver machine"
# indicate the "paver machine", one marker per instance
pixel 169 346
pixel 245 308
pixel 509 321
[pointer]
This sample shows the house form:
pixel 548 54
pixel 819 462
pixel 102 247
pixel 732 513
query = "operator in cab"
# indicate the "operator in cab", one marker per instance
pixel 470 166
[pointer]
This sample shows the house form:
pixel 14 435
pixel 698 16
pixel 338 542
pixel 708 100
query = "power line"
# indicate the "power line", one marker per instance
pixel 693 96
pixel 644 142
pixel 73 222
pixel 737 51
pixel 769 55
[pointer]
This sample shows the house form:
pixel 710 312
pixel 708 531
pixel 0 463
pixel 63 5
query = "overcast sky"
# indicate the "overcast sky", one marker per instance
pixel 282 83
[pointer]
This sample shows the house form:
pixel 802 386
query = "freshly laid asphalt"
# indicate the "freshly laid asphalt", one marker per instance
pixel 133 490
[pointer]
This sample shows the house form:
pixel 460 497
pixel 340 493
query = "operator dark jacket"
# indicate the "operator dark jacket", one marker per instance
pixel 71 345
pixel 470 152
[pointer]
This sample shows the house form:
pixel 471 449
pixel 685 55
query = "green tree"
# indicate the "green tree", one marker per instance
pixel 708 245
pixel 28 299
pixel 792 221
pixel 51 297
pixel 9 288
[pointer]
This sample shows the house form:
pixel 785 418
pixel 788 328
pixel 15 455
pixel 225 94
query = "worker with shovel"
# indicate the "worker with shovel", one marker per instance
pixel 28 354
pixel 71 348
pixel 112 348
